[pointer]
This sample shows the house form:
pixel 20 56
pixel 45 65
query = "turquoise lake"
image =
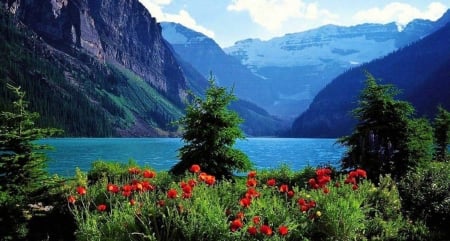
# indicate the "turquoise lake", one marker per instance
pixel 161 153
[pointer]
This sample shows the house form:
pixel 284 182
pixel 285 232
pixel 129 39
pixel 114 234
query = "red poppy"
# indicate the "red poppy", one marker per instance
pixel 240 215
pixel 283 230
pixel 326 190
pixel 252 230
pixel 148 174
pixel 251 182
pixel 355 187
pixel 235 225
pixel 266 229
pixel 132 202
pixel 187 195
pixel 252 193
pixel 172 193
pixel 194 168
pixel 256 219
pixel 301 201
pixel 361 173
pixel 323 172
pixel 290 194
pixel 161 203
pixel 304 208
pixel 271 182
pixel 81 190
pixel 71 199
pixel 192 182
pixel 245 202
pixel 312 182
pixel 284 188
pixel 251 174
pixel 186 188
pixel 112 188
pixel 101 207
pixel 210 180
pixel 147 186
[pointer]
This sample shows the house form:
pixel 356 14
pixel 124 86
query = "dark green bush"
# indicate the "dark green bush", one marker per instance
pixel 425 196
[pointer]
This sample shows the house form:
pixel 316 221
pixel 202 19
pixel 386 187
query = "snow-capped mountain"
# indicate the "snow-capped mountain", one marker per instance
pixel 301 64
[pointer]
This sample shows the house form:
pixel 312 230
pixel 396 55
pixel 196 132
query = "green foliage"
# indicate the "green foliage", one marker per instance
pixel 210 131
pixel 386 139
pixel 425 196
pixel 23 178
pixel 442 134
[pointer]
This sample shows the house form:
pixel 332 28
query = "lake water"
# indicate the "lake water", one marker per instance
pixel 161 153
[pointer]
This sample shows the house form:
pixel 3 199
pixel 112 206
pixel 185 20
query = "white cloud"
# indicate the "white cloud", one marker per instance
pixel 156 9
pixel 271 14
pixel 402 13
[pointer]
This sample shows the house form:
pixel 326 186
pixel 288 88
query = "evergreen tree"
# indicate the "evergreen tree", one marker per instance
pixel 22 162
pixel 442 134
pixel 210 131
pixel 386 139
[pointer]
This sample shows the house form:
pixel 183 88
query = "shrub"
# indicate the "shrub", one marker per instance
pixel 425 196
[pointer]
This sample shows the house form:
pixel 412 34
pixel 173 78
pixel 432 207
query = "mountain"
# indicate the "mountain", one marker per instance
pixel 91 67
pixel 420 70
pixel 205 55
pixel 199 56
pixel 300 64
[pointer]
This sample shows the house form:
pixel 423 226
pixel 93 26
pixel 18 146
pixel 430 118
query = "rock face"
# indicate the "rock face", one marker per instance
pixel 114 31
pixel 109 55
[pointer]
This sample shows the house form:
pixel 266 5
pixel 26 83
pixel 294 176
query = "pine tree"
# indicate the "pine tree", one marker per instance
pixel 210 131
pixel 442 134
pixel 22 162
pixel 386 139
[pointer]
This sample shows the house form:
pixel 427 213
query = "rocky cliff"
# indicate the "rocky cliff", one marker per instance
pixel 92 64
pixel 114 31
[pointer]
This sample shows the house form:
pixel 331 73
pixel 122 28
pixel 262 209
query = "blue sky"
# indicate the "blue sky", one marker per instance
pixel 227 21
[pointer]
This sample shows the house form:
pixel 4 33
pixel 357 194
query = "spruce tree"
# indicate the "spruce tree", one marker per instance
pixel 210 131
pixel 386 140
pixel 442 134
pixel 22 161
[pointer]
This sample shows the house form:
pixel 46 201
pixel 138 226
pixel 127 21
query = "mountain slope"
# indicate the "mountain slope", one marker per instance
pixel 299 65
pixel 91 64
pixel 256 121
pixel 420 70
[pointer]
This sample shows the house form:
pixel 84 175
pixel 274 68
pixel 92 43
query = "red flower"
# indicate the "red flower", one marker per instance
pixel 256 219
pixel 172 193
pixel 252 193
pixel 101 207
pixel 192 182
pixel 290 194
pixel 355 187
pixel 326 190
pixel 71 199
pixel 186 188
pixel 271 182
pixel 148 174
pixel 251 182
pixel 251 174
pixel 147 186
pixel 266 229
pixel 240 215
pixel 283 230
pixel 252 230
pixel 194 168
pixel 323 172
pixel 161 203
pixel 361 173
pixel 312 182
pixel 133 170
pixel 235 225
pixel 245 202
pixel 301 201
pixel 187 195
pixel 132 202
pixel 112 188
pixel 81 190
pixel 126 190
pixel 284 188
pixel 210 180
pixel 304 208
